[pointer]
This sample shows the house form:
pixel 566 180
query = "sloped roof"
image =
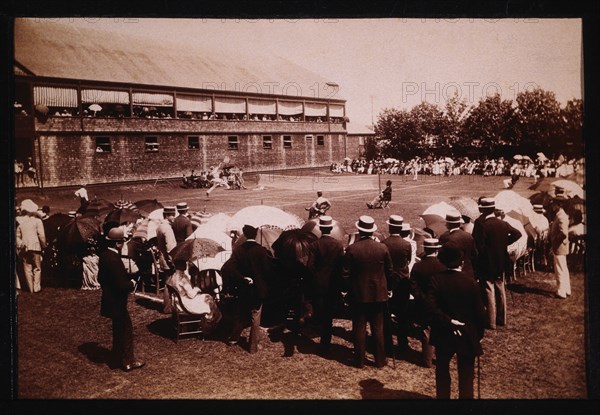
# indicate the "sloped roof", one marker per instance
pixel 359 129
pixel 61 50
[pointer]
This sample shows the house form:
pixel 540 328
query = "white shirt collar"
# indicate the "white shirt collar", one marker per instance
pixel 113 249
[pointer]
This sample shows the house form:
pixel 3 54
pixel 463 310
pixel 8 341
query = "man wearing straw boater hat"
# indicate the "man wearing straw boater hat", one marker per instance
pixel 165 242
pixel 458 320
pixel 329 256
pixel 401 253
pixel 492 237
pixel 559 242
pixel 116 286
pixel 420 277
pixel 368 265
pixel 464 240
pixel 182 226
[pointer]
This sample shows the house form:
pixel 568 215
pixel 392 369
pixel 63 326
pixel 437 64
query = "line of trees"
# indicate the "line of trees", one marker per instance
pixel 491 128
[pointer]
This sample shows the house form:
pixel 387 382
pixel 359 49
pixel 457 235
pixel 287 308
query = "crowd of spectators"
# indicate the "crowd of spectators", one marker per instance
pixel 521 166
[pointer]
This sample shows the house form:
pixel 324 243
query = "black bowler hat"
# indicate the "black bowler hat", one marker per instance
pixel 450 255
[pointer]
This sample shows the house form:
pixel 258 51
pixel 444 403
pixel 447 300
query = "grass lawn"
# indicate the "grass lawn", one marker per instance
pixel 63 342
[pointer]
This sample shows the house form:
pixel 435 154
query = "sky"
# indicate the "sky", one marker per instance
pixel 396 63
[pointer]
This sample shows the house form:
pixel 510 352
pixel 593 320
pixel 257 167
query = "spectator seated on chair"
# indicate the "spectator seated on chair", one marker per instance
pixel 192 298
pixel 382 199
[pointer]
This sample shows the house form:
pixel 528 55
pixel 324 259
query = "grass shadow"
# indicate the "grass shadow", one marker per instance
pixel 374 389
pixel 163 327
pixel 98 354
pixel 524 289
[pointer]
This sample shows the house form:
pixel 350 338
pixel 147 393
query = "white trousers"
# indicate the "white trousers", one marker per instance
pixel 563 279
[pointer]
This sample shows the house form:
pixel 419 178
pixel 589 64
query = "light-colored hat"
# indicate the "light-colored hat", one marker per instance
pixel 559 193
pixel 453 217
pixel 487 203
pixel 182 206
pixel 169 210
pixel 405 227
pixel 395 220
pixel 538 208
pixel 366 224
pixel 326 222
pixel 28 205
pixel 431 243
pixel 116 234
pixel 72 213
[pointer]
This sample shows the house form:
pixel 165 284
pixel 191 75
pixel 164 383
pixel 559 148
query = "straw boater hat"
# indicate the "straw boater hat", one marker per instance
pixel 72 213
pixel 538 208
pixel 169 210
pixel 28 205
pixel 559 193
pixel 405 227
pixel 431 243
pixel 487 203
pixel 366 224
pixel 182 207
pixel 395 220
pixel 326 222
pixel 453 217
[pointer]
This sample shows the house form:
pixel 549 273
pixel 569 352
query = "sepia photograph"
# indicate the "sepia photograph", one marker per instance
pixel 299 209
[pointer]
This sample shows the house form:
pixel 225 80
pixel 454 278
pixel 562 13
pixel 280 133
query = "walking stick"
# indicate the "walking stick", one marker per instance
pixel 478 378
pixel 389 315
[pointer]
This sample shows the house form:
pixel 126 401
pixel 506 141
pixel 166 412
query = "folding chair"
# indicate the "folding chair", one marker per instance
pixel 382 203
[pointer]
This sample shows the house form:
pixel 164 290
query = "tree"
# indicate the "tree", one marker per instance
pixel 572 131
pixel 399 133
pixel 455 112
pixel 540 120
pixel 491 124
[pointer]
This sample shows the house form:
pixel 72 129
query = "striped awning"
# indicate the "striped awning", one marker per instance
pixel 290 108
pixel 259 106
pixel 315 110
pixel 147 98
pixel 102 96
pixel 55 97
pixel 194 103
pixel 336 110
pixel 230 105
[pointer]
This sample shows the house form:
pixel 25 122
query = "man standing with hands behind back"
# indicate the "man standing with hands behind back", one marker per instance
pixel 368 265
pixel 116 287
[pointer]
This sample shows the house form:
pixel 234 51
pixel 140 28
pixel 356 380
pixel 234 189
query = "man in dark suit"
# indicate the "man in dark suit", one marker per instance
pixel 116 286
pixel 458 321
pixel 492 237
pixel 182 226
pixel 368 265
pixel 464 240
pixel 420 278
pixel 249 267
pixel 329 255
pixel 401 253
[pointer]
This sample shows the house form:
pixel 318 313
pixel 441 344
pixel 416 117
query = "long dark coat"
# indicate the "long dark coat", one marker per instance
pixel 115 283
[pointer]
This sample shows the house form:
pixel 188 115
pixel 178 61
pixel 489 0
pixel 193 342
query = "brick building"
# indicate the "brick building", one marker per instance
pixel 98 107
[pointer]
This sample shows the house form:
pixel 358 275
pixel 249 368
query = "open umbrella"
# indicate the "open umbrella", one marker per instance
pixel 337 231
pixel 77 233
pixel 265 236
pixel 95 108
pixel 295 245
pixel 571 188
pixel 437 213
pixel 147 206
pixel 42 109
pixel 192 249
pixel 145 230
pixel 448 160
pixel 518 157
pixel 541 156
pixel 122 216
pixel 98 207
pixel 259 215
pixel 466 206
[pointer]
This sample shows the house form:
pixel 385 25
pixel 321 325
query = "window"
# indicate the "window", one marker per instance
pixel 193 143
pixel 102 144
pixel 309 140
pixel 287 141
pixel 232 142
pixel 151 144
pixel 320 140
pixel 267 141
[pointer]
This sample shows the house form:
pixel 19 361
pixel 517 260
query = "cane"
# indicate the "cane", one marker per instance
pixel 389 315
pixel 478 378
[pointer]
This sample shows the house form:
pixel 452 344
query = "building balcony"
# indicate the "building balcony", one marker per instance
pixel 93 125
